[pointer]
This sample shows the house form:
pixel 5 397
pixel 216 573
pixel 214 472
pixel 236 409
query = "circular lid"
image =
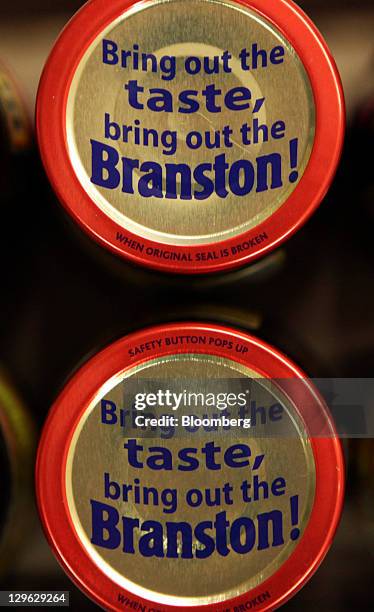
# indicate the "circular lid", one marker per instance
pixel 189 466
pixel 190 136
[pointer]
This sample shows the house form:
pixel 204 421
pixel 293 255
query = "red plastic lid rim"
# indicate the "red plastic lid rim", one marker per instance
pixel 85 385
pixel 296 27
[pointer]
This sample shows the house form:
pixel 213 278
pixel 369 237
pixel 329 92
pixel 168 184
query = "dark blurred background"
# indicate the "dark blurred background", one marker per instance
pixel 62 298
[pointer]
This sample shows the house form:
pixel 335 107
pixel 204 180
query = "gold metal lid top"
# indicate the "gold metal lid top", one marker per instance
pixel 189 123
pixel 182 514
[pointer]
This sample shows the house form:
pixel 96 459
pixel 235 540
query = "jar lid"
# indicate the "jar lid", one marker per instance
pixel 190 136
pixel 181 468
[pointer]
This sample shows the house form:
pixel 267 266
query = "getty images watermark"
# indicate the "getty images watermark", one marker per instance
pixel 167 409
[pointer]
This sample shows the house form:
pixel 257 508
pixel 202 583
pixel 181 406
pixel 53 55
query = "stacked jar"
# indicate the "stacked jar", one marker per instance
pixel 196 466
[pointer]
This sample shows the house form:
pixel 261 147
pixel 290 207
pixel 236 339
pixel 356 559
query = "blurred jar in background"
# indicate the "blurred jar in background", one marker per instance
pixel 360 490
pixel 15 137
pixel 360 365
pixel 21 205
pixel 355 313
pixel 361 148
pixel 17 448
